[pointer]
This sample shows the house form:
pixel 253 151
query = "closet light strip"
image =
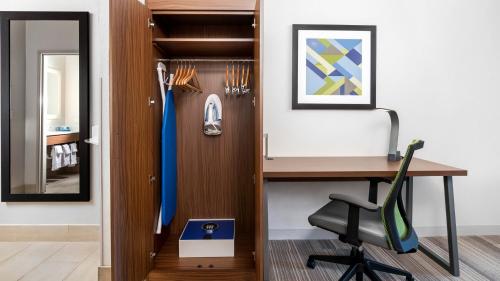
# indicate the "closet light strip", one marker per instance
pixel 204 60
pixel 204 13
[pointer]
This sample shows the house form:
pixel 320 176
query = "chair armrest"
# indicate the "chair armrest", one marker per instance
pixel 354 201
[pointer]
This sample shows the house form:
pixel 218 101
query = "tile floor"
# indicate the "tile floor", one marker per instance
pixel 49 261
pixel 66 184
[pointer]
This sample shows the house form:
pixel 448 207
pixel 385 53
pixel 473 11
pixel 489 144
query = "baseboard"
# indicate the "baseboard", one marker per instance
pixel 320 234
pixel 465 230
pixel 300 234
pixel 104 273
pixel 58 232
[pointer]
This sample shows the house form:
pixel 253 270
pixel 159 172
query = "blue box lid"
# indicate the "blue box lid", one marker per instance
pixel 194 230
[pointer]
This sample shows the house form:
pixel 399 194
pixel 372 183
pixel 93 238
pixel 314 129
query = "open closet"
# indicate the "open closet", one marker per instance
pixel 210 47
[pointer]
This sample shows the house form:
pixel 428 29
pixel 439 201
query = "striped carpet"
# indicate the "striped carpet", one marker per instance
pixel 479 259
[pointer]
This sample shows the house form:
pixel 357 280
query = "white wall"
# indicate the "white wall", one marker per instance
pixel 55 63
pixel 68 66
pixel 72 93
pixel 81 212
pixel 437 66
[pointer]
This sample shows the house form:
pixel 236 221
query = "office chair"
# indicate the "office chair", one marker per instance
pixel 357 221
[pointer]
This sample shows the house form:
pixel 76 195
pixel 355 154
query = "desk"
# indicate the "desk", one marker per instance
pixel 374 170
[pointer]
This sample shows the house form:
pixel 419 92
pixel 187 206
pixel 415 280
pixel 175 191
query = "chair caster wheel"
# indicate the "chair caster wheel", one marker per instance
pixel 311 263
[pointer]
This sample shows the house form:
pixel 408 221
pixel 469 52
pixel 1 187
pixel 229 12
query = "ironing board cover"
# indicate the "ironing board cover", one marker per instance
pixel 168 160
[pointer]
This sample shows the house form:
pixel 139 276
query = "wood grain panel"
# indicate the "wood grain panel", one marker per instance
pixel 157 123
pixel 188 35
pixel 168 258
pixel 209 275
pixel 132 141
pixel 211 27
pixel 207 5
pixel 260 223
pixel 168 265
pixel 223 47
pixel 215 173
pixel 204 17
pixel 64 138
pixel 351 167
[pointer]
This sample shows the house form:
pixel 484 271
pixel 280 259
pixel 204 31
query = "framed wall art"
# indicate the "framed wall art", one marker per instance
pixel 334 67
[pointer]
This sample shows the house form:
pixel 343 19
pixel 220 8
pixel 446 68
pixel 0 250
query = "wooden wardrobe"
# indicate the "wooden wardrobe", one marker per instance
pixel 217 177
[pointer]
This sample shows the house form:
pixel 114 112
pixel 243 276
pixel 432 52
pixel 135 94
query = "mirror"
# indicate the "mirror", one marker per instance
pixel 44 84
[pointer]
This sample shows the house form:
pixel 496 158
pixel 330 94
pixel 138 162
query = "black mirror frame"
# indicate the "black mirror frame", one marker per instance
pixel 84 149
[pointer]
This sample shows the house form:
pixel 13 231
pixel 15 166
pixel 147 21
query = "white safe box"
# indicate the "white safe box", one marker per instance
pixel 207 238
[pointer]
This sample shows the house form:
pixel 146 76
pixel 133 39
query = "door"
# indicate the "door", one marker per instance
pixel 260 223
pixel 132 139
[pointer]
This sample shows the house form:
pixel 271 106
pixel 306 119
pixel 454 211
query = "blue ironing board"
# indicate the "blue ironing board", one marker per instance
pixel 168 160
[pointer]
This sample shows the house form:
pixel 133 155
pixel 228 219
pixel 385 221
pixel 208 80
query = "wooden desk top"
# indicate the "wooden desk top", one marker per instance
pixel 350 167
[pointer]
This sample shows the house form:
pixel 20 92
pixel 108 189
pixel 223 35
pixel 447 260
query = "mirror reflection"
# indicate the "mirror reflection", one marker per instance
pixel 44 74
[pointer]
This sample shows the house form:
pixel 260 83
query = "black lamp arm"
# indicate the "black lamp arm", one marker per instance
pixel 394 154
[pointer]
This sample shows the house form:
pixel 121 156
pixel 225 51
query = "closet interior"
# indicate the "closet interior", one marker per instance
pixel 204 52
pixel 214 173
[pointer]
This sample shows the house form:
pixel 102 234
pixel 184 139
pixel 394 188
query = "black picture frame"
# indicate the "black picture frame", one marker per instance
pixel 84 86
pixel 373 86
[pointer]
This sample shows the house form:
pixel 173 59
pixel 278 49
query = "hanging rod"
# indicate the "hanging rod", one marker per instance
pixel 205 60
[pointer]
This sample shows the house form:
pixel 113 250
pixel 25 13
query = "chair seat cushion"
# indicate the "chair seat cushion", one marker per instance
pixel 333 217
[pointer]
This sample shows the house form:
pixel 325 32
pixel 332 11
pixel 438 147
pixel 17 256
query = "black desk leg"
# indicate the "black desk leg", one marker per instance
pixel 373 192
pixel 409 199
pixel 453 264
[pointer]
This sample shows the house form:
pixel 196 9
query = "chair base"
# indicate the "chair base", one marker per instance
pixel 359 266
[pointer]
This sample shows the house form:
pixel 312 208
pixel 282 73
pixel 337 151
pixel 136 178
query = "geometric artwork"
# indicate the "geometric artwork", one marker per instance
pixel 333 67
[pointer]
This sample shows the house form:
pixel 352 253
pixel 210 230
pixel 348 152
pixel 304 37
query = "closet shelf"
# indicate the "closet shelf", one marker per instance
pixel 223 47
pixel 204 17
pixel 169 265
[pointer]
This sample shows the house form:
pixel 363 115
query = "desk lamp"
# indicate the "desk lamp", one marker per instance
pixel 394 154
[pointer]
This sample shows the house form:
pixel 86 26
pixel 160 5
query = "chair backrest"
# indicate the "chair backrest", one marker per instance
pixel 402 238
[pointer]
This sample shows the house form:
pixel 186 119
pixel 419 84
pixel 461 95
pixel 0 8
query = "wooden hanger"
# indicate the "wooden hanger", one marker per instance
pixel 238 80
pixel 182 79
pixel 184 75
pixel 244 88
pixel 196 80
pixel 187 75
pixel 233 89
pixel 243 85
pixel 227 89
pixel 188 79
pixel 248 74
pixel 193 80
pixel 247 78
pixel 178 73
